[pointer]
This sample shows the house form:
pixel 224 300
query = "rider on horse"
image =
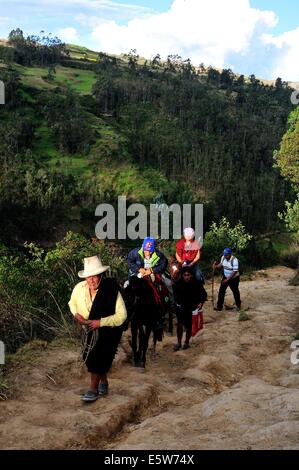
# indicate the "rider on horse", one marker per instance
pixel 146 260
pixel 188 253
pixel 150 263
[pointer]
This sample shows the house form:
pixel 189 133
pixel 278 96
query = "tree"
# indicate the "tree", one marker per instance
pixel 287 159
pixel 156 61
pixel 133 58
pixel 201 68
pixel 16 36
pixel 213 75
pixel 37 50
pixel 51 72
pixel 227 78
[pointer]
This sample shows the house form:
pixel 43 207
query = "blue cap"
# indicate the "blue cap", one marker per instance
pixel 148 244
pixel 227 251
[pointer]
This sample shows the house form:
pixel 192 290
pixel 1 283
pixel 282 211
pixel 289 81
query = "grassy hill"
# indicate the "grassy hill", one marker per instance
pixel 100 126
pixel 122 174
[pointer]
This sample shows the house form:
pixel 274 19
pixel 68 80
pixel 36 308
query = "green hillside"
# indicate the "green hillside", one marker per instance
pixel 81 127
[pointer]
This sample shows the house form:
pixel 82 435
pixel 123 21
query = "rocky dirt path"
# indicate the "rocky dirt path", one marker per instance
pixel 234 389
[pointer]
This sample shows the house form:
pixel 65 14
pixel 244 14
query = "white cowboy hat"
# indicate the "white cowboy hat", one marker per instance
pixel 92 267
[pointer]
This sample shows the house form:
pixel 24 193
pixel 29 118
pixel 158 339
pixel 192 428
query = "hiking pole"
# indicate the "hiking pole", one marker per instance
pixel 213 276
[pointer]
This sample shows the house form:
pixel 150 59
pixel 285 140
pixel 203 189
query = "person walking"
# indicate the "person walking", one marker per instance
pixel 189 295
pixel 96 303
pixel 231 278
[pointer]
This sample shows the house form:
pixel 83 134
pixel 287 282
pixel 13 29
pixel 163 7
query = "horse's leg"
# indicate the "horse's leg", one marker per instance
pixel 134 332
pixel 146 336
pixel 154 345
pixel 170 319
pixel 140 343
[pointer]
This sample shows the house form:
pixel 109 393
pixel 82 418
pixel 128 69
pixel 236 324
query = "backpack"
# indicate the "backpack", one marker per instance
pixel 231 261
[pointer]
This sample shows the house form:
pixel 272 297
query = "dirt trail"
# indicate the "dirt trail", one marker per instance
pixel 234 389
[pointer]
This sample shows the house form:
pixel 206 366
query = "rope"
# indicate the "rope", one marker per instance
pixel 87 347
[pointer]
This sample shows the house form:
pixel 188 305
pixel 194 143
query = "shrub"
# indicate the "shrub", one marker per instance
pixel 223 235
pixel 35 288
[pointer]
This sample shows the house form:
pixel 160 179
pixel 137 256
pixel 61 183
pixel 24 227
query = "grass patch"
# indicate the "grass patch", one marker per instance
pixel 282 243
pixel 80 52
pixel 76 165
pixel 5 387
pixel 243 316
pixel 28 354
pixel 79 80
pixel 44 146
pixel 27 96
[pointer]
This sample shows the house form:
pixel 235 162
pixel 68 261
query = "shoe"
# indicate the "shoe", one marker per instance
pixel 102 389
pixel 90 396
pixel 186 346
pixel 176 347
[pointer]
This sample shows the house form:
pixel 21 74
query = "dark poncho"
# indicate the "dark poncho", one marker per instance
pixel 188 295
pixel 100 358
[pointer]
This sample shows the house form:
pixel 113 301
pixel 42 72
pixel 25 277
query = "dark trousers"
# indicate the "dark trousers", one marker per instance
pixel 234 286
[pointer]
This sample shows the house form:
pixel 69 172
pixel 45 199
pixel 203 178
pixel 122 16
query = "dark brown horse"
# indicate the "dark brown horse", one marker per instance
pixel 174 268
pixel 145 316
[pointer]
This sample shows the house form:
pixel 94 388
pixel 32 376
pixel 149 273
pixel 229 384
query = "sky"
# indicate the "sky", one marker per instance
pixel 258 37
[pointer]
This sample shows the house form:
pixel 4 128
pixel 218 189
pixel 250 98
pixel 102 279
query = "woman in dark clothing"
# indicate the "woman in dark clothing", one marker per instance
pixel 189 295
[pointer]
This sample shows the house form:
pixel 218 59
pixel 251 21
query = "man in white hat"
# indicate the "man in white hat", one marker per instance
pixel 97 303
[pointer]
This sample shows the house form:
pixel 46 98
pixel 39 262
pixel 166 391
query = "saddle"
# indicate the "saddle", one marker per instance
pixel 160 291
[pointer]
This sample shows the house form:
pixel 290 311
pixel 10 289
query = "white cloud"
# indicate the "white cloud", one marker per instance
pixel 287 61
pixel 69 35
pixel 111 7
pixel 89 21
pixel 220 33
pixel 4 20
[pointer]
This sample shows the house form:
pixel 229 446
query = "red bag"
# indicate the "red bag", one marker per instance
pixel 197 321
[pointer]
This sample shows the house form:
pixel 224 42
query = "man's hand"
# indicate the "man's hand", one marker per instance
pixel 147 272
pixel 142 271
pixel 80 319
pixel 199 306
pixel 94 324
pixel 225 281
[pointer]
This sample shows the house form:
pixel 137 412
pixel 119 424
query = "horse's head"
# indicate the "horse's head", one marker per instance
pixel 175 268
pixel 133 290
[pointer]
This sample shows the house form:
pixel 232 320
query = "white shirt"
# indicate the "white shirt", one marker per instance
pixel 147 263
pixel 230 266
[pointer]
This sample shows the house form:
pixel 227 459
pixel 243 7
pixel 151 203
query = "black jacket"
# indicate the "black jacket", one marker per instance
pixel 189 294
pixel 135 262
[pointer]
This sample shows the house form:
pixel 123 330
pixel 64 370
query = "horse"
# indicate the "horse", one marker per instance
pixel 175 268
pixel 145 315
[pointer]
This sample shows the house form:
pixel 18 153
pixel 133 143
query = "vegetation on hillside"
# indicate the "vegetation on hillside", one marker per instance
pixel 79 129
pixel 287 159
